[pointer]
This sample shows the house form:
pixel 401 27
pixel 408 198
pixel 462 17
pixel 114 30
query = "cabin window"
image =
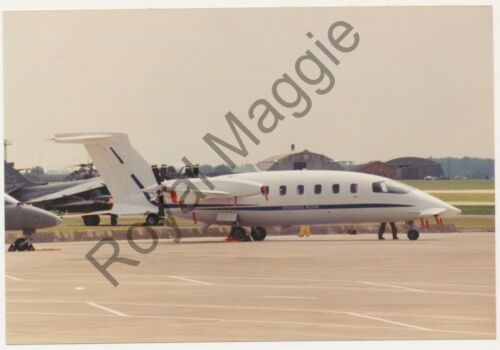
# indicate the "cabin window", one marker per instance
pixel 335 188
pixel 354 188
pixel 282 190
pixel 300 189
pixel 317 189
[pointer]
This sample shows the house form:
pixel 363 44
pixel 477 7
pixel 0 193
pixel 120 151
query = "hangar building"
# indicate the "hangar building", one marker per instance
pixel 377 168
pixel 299 160
pixel 415 168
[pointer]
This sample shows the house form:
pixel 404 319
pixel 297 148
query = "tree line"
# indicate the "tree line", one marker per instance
pixel 472 168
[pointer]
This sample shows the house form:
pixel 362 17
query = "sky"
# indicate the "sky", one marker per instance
pixel 419 82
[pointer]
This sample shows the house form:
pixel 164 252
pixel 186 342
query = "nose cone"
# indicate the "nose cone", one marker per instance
pixel 449 210
pixel 49 219
pixel 41 218
pixel 430 204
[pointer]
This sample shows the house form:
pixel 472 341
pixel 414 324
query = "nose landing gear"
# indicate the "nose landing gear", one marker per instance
pixel 413 235
pixel 22 244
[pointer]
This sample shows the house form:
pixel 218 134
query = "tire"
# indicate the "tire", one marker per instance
pixel 21 244
pixel 413 235
pixel 91 220
pixel 258 233
pixel 114 220
pixel 238 233
pixel 152 219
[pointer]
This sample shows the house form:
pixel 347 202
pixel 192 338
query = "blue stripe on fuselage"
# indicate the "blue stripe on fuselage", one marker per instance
pixel 250 207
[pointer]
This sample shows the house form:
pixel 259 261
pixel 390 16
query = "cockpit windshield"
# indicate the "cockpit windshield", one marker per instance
pixel 389 187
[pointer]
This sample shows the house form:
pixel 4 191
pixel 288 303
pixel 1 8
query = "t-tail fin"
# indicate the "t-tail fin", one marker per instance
pixel 124 170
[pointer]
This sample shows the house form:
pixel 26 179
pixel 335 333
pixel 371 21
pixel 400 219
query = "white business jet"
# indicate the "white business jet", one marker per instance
pixel 254 200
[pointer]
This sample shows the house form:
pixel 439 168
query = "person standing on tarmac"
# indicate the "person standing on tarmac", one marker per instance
pixel 381 230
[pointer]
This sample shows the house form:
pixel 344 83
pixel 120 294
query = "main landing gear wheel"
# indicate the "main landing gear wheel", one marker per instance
pixel 22 244
pixel 152 219
pixel 258 233
pixel 413 235
pixel 91 220
pixel 238 233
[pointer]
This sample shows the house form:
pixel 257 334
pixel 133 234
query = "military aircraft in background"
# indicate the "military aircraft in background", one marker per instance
pixel 81 196
pixel 20 216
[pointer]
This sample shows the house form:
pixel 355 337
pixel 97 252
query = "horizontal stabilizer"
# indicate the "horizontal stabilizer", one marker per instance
pixel 82 138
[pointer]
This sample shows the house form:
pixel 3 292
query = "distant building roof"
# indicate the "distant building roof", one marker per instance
pixel 299 160
pixel 411 161
pixel 416 168
pixel 275 158
pixel 377 168
pixel 360 167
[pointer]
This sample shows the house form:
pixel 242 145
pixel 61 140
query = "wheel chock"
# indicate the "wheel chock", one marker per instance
pixel 230 239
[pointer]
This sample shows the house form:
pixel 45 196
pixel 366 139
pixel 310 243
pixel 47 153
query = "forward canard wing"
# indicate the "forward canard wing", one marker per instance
pixel 431 212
